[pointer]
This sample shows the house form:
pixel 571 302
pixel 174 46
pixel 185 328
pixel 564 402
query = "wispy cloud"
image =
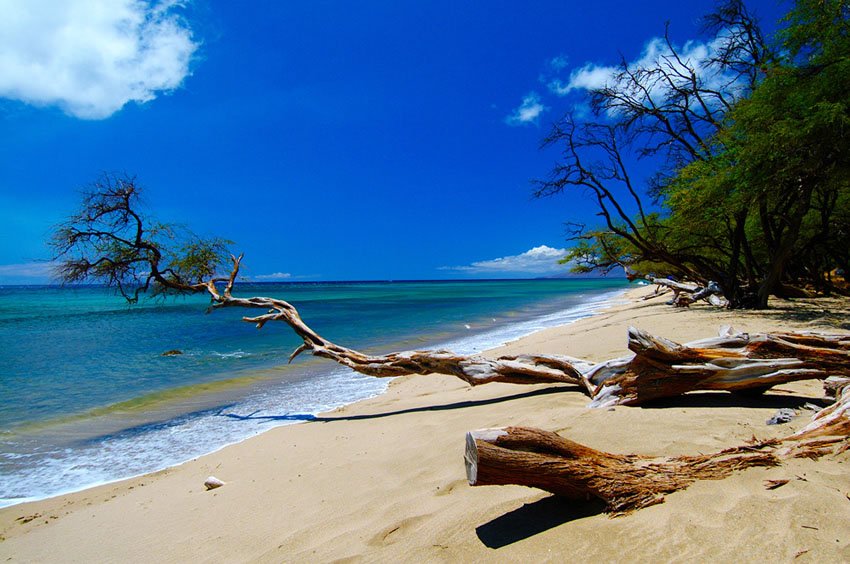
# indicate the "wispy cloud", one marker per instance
pixel 528 111
pixel 26 273
pixel 539 260
pixel 90 57
pixel 559 63
pixel 273 276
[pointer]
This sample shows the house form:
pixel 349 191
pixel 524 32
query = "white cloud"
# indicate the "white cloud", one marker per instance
pixel 91 57
pixel 693 55
pixel 528 111
pixel 273 276
pixel 588 77
pixel 26 273
pixel 539 260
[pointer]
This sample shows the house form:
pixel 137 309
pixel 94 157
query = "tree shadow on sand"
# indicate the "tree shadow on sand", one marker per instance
pixel 534 518
pixel 721 399
pixel 256 416
pixel 829 311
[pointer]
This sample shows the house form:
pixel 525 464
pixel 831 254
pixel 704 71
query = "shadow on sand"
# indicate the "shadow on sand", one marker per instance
pixel 727 399
pixel 557 389
pixel 693 399
pixel 534 518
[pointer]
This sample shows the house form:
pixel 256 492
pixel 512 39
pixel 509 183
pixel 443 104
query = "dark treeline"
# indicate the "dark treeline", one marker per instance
pixel 753 144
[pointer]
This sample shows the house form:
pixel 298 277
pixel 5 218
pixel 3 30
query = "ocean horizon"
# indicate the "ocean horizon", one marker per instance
pixel 90 398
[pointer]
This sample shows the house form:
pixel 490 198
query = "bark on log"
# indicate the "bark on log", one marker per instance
pixel 661 368
pixel 541 459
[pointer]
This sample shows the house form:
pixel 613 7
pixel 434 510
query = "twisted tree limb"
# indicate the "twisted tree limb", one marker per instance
pixel 626 482
pixel 473 369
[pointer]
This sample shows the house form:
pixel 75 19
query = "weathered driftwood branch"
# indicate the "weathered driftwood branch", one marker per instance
pixel 108 241
pixel 625 482
pixel 659 368
pixel 545 460
pixel 686 293
pixel 474 369
pixel 739 363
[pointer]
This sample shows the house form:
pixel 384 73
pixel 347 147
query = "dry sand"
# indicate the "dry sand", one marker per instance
pixel 383 479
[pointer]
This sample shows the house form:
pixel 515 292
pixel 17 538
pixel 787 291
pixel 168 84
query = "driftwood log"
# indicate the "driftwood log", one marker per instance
pixel 740 362
pixel 544 460
pixel 686 293
pixel 626 482
pixel 108 241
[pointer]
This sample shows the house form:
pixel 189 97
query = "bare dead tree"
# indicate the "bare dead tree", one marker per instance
pixel 110 241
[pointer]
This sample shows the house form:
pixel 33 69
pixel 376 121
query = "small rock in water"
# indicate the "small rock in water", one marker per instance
pixel 212 483
pixel 172 352
pixel 784 415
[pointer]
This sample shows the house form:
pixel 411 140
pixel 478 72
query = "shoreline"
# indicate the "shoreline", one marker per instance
pixel 474 344
pixel 400 457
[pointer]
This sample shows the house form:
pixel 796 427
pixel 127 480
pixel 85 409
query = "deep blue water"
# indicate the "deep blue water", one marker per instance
pixel 88 396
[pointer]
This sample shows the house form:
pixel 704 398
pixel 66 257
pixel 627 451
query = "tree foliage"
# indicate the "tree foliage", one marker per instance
pixel 110 242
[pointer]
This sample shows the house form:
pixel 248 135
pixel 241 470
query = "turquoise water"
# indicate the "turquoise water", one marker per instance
pixel 88 396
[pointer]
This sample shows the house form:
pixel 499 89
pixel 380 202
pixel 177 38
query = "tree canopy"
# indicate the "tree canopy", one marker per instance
pixel 752 151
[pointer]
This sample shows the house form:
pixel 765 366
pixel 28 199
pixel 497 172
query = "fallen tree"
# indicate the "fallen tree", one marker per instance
pixel 110 241
pixel 626 482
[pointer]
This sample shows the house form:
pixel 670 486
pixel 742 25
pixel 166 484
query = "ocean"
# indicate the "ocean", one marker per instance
pixel 89 398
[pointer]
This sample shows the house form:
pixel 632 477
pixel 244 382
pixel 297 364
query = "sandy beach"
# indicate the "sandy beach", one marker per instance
pixel 383 479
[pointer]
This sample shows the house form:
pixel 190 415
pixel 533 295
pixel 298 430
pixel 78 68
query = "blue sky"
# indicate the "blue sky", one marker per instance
pixel 330 140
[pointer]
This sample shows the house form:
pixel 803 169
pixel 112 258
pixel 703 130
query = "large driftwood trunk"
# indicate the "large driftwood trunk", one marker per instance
pixel 624 482
pixel 541 459
pixel 734 362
